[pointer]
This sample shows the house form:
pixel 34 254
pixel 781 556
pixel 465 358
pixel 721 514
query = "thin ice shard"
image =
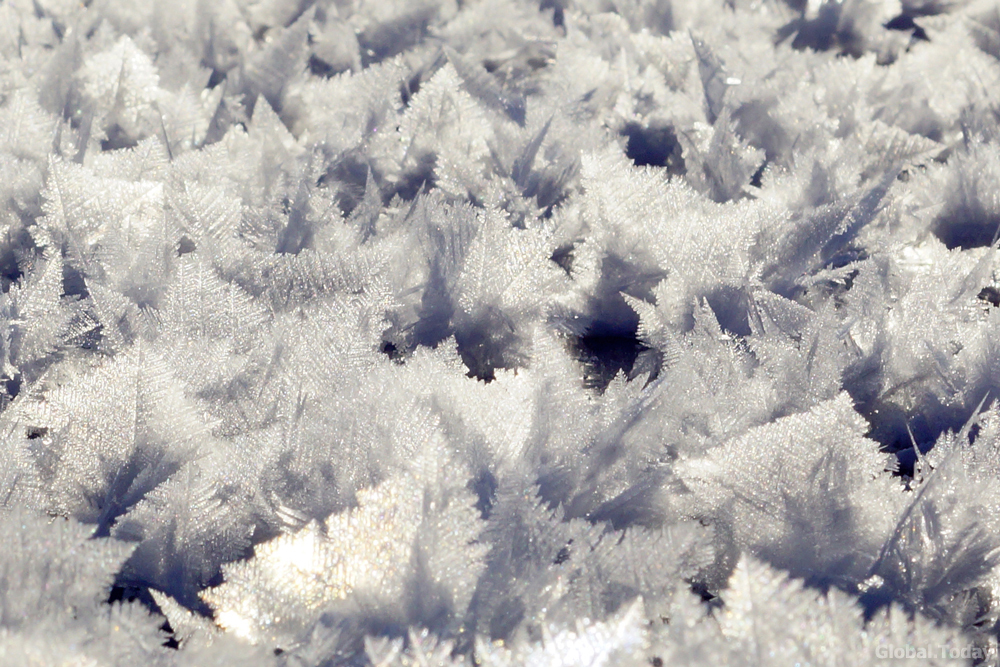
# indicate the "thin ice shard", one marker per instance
pixel 482 86
pixel 365 555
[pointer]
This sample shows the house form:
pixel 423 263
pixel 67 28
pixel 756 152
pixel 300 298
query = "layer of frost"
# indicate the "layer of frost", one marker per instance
pixel 499 332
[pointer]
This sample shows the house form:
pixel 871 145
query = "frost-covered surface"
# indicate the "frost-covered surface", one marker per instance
pixel 499 332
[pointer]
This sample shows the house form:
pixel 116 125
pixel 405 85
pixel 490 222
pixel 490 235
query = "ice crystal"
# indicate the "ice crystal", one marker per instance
pixel 545 332
pixel 363 556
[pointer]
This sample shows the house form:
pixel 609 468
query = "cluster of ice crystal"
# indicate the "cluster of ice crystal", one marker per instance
pixel 499 332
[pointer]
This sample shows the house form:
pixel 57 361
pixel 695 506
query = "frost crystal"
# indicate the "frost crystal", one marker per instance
pixel 499 332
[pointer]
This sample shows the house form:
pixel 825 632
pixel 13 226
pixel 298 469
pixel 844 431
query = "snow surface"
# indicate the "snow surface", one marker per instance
pixel 499 332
